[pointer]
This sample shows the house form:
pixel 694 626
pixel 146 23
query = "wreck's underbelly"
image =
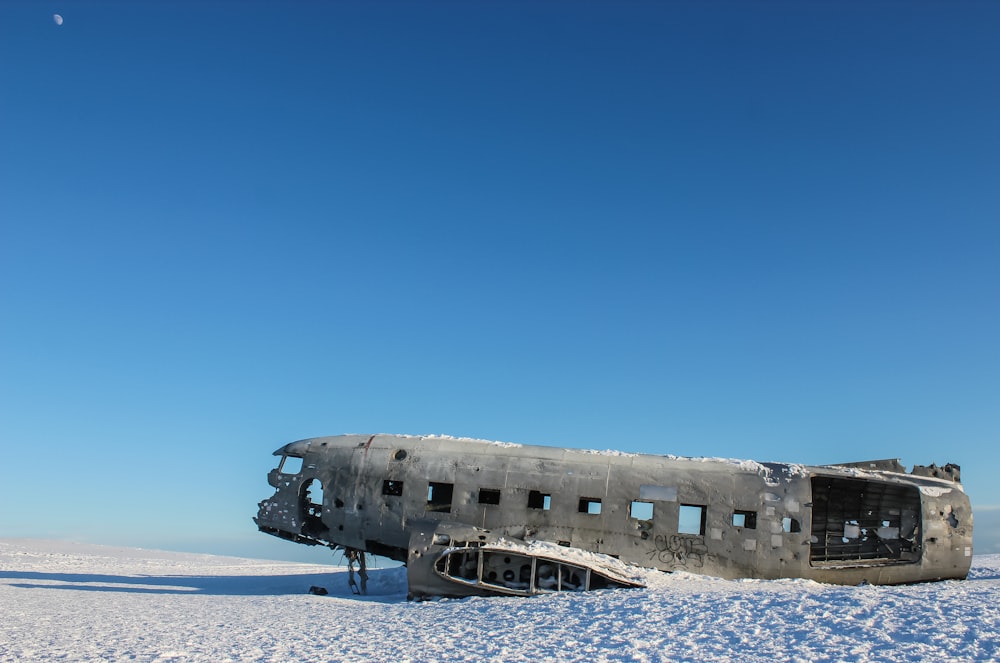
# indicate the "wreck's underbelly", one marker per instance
pixel 720 518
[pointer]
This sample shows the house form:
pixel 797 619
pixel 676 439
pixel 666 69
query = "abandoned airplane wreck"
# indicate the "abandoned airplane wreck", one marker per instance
pixel 470 517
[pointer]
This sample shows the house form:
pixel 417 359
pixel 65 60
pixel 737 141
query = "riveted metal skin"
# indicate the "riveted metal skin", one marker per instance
pixel 847 524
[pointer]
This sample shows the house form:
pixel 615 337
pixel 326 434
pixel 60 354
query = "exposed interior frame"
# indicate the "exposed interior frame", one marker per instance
pixel 858 522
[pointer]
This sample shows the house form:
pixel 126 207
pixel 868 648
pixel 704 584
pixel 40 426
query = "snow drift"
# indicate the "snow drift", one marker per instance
pixel 62 601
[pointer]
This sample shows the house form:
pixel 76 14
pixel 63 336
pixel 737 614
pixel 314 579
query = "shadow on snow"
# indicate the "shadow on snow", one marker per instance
pixel 383 584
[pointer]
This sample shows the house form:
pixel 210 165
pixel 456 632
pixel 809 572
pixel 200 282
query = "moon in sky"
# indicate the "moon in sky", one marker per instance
pixel 57 18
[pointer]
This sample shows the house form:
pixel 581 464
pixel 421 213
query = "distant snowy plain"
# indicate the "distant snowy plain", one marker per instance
pixel 75 602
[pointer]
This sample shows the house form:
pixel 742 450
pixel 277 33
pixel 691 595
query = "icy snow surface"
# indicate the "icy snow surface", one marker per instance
pixel 62 601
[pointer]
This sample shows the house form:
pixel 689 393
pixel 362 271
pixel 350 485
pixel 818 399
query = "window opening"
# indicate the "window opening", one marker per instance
pixel 537 500
pixel 789 524
pixel 392 487
pixel 591 505
pixel 489 496
pixel 290 465
pixel 691 519
pixel 641 510
pixel 439 496
pixel 745 519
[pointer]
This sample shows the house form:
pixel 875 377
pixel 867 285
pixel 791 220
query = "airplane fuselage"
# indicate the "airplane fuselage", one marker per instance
pixel 867 522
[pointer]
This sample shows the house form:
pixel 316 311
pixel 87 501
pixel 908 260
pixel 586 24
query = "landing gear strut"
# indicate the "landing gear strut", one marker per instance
pixel 353 556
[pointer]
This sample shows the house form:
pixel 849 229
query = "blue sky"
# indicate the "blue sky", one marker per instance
pixel 762 230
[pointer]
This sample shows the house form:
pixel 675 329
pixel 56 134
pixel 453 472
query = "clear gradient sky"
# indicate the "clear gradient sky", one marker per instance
pixel 763 230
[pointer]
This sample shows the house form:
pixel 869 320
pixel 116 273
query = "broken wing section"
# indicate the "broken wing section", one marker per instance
pixel 452 560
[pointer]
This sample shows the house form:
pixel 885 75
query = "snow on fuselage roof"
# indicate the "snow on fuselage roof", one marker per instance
pixel 542 451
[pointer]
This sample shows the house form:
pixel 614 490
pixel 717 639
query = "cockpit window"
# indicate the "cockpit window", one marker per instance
pixel 290 465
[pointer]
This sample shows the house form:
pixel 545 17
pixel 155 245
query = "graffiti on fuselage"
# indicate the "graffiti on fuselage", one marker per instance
pixel 683 551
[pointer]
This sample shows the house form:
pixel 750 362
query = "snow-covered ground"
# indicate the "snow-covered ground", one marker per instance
pixel 62 601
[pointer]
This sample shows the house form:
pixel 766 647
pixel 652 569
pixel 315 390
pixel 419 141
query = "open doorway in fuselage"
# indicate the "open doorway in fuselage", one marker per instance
pixel 311 508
